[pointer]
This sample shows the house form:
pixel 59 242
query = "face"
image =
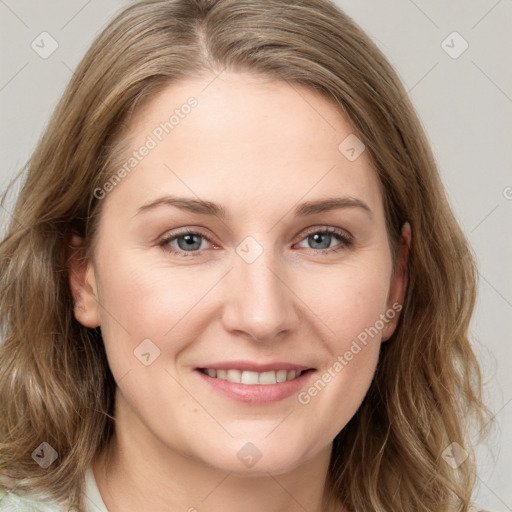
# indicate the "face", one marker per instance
pixel 242 275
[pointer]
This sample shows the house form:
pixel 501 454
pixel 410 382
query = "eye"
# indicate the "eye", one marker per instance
pixel 185 243
pixel 321 240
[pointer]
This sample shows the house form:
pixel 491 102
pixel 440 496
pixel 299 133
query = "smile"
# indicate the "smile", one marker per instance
pixel 251 378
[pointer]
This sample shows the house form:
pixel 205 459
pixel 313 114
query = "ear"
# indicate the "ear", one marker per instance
pixel 82 282
pixel 398 284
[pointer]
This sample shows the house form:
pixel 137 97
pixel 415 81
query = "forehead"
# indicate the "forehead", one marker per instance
pixel 244 139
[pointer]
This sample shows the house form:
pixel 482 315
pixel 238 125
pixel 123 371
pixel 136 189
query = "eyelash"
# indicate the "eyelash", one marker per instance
pixel 344 238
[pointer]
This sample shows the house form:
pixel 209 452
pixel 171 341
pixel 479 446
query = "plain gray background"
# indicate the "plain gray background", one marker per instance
pixel 464 100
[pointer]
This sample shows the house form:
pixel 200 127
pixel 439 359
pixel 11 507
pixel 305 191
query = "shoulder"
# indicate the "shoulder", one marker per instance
pixel 13 502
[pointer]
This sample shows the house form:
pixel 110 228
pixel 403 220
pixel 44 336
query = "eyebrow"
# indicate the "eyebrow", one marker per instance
pixel 203 207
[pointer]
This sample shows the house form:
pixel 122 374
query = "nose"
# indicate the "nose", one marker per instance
pixel 259 303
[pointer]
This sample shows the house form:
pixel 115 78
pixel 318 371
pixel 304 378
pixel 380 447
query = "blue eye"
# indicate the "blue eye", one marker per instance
pixel 190 243
pixel 321 240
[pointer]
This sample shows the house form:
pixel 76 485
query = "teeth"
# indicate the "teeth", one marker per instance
pixel 291 374
pixel 267 378
pixel 234 376
pixel 250 378
pixel 281 375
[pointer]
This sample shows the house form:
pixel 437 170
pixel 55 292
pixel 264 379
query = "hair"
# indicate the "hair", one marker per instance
pixel 55 384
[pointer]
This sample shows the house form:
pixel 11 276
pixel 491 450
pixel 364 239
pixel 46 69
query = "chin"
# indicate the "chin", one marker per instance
pixel 256 458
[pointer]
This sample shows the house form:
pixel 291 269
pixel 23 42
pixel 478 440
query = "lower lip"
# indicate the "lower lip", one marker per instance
pixel 257 393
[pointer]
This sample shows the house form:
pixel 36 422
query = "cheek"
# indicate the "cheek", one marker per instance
pixel 353 306
pixel 143 300
pixel 346 299
pixel 148 300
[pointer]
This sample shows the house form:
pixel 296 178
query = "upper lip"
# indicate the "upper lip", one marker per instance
pixel 255 367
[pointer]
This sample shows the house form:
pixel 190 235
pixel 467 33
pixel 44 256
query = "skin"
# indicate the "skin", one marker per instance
pixel 257 147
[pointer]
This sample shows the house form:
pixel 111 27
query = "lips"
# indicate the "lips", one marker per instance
pixel 255 383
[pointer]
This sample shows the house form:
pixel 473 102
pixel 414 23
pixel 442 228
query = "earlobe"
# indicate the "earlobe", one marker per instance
pixel 82 282
pixel 398 284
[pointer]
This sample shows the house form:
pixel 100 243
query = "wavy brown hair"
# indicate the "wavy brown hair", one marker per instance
pixel 55 383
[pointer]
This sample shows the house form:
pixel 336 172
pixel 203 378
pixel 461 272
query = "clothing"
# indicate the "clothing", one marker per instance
pixel 11 502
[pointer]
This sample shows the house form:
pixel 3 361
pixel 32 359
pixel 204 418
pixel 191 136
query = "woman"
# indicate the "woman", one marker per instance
pixel 233 279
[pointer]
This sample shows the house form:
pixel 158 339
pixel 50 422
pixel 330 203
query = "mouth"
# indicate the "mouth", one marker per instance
pixel 252 378
pixel 254 383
